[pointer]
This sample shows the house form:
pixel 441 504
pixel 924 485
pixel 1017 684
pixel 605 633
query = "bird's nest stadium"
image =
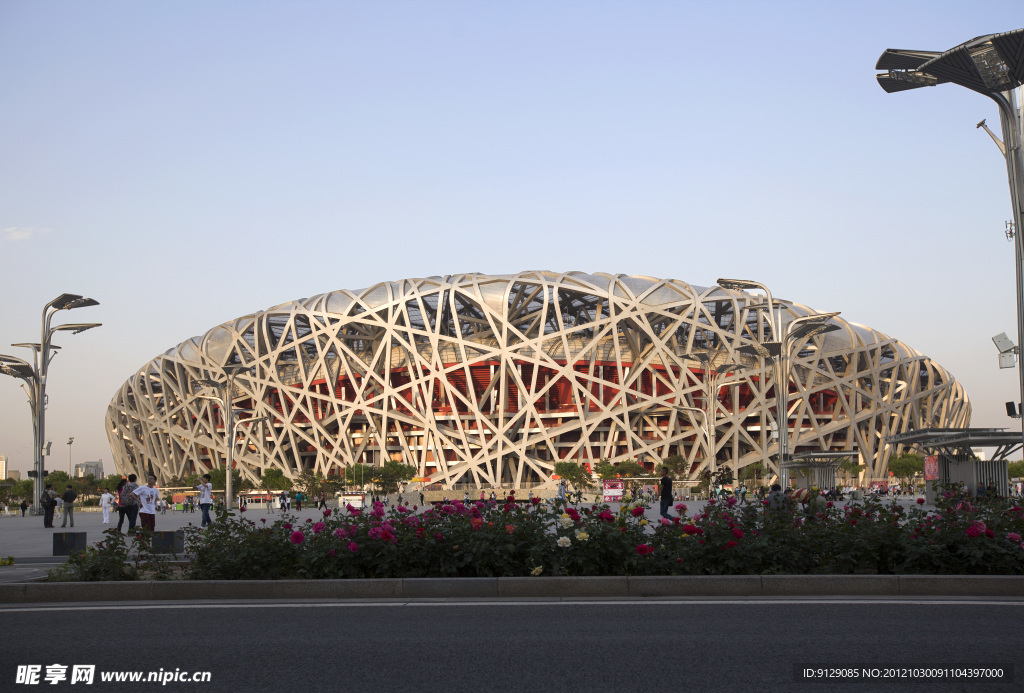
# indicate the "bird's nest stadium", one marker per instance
pixel 484 381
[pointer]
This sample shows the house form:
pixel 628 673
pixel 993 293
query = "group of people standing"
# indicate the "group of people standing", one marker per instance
pixel 50 501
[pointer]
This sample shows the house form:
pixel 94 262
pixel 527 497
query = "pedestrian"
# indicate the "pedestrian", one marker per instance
pixel 24 507
pixel 163 506
pixel 131 501
pixel 322 504
pixel 421 498
pixel 205 498
pixel 106 500
pixel 48 501
pixel 666 493
pixel 776 499
pixel 147 496
pixel 561 491
pixel 121 503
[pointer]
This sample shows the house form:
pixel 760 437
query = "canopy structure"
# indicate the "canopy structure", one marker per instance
pixel 821 464
pixel 956 459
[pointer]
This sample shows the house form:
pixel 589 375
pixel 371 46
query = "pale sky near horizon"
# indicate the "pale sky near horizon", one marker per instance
pixel 185 163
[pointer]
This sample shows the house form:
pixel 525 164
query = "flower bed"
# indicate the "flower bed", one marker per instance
pixel 491 539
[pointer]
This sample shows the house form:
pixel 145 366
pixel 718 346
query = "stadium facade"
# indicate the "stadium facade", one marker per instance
pixel 488 380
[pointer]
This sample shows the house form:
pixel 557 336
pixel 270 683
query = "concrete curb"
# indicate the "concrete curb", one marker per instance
pixel 520 587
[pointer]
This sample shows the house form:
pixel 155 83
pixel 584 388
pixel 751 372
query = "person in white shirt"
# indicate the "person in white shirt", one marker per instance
pixel 147 496
pixel 205 499
pixel 106 501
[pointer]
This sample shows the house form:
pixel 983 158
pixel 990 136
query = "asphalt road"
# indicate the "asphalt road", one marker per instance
pixel 582 645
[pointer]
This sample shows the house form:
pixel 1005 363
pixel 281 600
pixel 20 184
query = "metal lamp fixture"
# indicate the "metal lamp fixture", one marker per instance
pixel 225 389
pixel 34 374
pixel 992 65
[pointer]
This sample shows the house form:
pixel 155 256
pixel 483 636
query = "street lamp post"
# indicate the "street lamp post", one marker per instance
pixel 990 65
pixel 778 353
pixel 34 374
pixel 225 391
pixel 712 374
pixel 71 440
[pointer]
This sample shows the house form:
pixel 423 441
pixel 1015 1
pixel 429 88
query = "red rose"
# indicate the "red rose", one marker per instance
pixel 989 533
pixel 637 512
pixel 644 549
pixel 920 501
pixel 729 544
pixel 535 500
pixel 738 533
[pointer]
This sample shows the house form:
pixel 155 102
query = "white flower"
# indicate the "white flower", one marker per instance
pixel 563 541
pixel 537 571
pixel 565 521
pixel 582 536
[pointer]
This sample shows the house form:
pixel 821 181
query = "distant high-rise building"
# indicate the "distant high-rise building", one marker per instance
pixel 94 468
pixel 14 474
pixel 3 467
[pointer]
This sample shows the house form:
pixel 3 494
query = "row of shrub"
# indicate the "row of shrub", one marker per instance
pixel 486 539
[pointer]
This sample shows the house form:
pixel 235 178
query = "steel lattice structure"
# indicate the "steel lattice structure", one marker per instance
pixel 492 379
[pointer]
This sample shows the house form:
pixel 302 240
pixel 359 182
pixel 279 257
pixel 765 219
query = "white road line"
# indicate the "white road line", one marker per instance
pixel 981 601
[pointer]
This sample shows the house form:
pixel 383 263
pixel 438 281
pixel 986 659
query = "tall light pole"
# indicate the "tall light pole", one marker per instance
pixel 712 374
pixel 71 440
pixel 778 353
pixel 990 65
pixel 226 391
pixel 34 374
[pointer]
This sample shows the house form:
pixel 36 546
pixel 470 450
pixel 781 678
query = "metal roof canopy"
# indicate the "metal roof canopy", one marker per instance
pixel 951 441
pixel 819 459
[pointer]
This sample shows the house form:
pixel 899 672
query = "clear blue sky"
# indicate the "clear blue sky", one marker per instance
pixel 185 163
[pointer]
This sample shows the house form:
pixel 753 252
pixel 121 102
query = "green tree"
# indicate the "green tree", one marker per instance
pixel 110 482
pixel 575 475
pixel 752 472
pixel 274 480
pixel 59 479
pixel 1015 469
pixel 905 467
pixel 23 490
pixel 218 478
pixel 677 465
pixel 850 468
pixel 629 468
pixel 359 475
pixel 392 474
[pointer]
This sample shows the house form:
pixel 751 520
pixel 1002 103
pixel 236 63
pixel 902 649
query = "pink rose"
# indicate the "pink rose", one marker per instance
pixel 340 533
pixel 297 537
pixel 318 527
pixel 1013 536
pixel 287 525
pixel 737 532
pixel 353 547
pixel 973 531
pixel 327 512
pixel 681 508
